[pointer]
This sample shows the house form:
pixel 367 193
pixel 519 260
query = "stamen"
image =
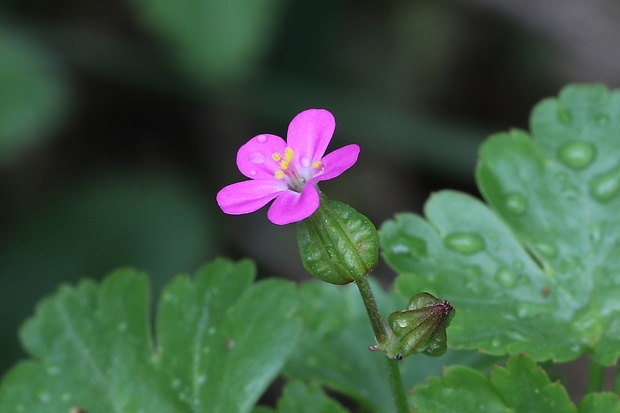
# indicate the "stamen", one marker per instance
pixel 279 174
pixel 276 156
pixel 288 157
pixel 317 165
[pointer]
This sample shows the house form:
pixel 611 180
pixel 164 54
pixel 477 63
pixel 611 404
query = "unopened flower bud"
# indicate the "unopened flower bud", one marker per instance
pixel 337 244
pixel 421 328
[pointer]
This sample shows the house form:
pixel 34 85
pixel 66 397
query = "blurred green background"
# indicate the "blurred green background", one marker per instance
pixel 120 120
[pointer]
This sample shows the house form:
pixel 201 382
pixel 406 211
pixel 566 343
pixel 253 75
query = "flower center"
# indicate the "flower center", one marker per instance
pixel 295 179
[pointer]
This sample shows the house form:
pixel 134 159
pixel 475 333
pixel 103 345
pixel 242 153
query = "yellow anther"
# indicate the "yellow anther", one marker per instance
pixel 276 156
pixel 288 154
pixel 279 174
pixel 317 165
pixel 288 157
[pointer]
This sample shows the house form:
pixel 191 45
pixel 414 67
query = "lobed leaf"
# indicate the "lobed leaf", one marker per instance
pixel 519 387
pixel 217 345
pixel 535 271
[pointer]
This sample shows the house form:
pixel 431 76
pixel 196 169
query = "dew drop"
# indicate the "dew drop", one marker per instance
pixel 44 397
pixel 518 265
pixel 522 311
pixel 565 116
pixel 495 342
pixel 577 155
pixel 122 327
pixel 304 161
pixel 257 158
pixel 400 249
pixel 65 397
pixel 595 233
pixel 546 250
pixel 261 138
pixel 506 278
pixel 200 380
pixel 604 187
pixel 465 243
pixel 515 203
pixel 176 383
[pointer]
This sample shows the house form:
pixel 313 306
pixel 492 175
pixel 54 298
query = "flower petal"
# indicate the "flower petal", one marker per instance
pixel 293 206
pixel 255 158
pixel 309 134
pixel 248 196
pixel 338 161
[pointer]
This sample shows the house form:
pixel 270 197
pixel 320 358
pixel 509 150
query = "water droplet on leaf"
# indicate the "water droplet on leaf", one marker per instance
pixel 400 249
pixel 515 203
pixel 577 155
pixel 546 250
pixel 465 243
pixel 506 278
pixel 604 187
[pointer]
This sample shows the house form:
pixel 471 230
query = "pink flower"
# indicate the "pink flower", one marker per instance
pixel 287 171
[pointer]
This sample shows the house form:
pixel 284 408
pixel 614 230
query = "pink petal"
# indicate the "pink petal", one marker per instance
pixel 292 206
pixel 309 134
pixel 338 161
pixel 255 158
pixel 248 196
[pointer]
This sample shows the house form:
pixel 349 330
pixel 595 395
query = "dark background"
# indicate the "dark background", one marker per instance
pixel 120 120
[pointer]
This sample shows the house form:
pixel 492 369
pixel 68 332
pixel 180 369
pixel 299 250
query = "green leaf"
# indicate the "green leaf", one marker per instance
pixel 535 271
pixel 300 398
pixel 600 403
pixel 216 41
pixel 521 386
pixel 217 345
pixel 334 350
pixel 34 99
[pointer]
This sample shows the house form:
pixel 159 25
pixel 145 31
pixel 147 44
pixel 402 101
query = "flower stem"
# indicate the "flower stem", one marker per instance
pixel 382 337
pixel 378 326
pixel 596 377
pixel 396 385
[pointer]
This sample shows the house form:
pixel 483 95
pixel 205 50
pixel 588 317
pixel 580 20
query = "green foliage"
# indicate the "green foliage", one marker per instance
pixel 220 340
pixel 216 41
pixel 334 351
pixel 34 98
pixel 600 403
pixel 519 387
pixel 299 398
pixel 156 223
pixel 536 272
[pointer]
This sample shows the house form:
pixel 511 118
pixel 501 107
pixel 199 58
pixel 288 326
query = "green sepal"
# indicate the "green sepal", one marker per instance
pixel 337 244
pixel 421 328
